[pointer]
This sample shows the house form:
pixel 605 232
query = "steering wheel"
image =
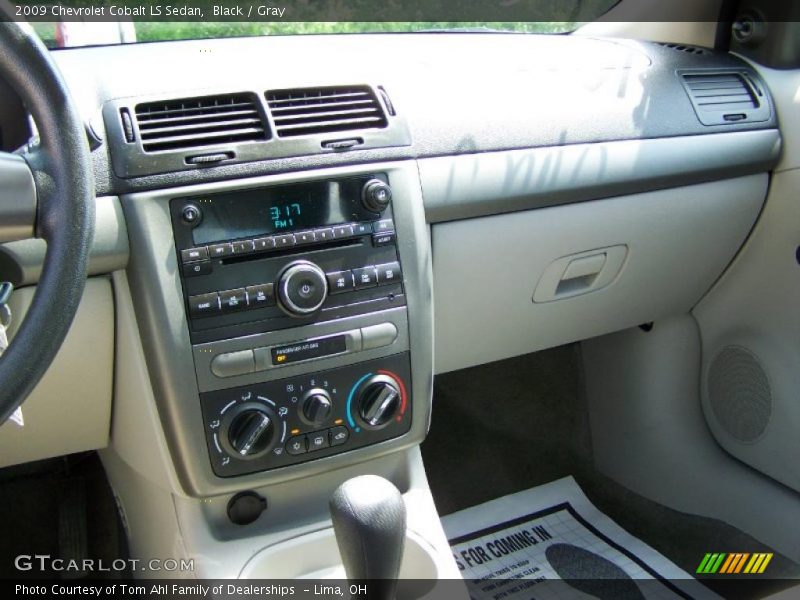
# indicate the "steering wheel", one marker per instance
pixel 47 192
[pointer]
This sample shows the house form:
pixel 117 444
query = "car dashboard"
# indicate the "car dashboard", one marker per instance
pixel 304 230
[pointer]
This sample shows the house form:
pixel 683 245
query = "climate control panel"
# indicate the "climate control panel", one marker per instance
pixel 294 420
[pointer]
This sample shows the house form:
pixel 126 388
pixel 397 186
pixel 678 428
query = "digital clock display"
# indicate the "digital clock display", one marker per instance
pixel 278 209
pixel 283 216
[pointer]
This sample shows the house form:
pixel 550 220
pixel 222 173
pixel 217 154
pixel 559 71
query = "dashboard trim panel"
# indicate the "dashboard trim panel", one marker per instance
pixel 153 275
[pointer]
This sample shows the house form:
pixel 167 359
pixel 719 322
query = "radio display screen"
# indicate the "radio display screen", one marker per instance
pixel 277 209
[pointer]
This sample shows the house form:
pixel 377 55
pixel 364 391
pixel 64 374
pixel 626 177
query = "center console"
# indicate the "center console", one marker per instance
pixel 286 334
pixel 277 259
pixel 287 321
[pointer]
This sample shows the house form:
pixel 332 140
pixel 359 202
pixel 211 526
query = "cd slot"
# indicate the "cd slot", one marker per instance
pixel 273 252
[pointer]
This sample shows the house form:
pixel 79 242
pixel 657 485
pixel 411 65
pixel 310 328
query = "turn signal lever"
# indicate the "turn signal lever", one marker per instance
pixel 369 519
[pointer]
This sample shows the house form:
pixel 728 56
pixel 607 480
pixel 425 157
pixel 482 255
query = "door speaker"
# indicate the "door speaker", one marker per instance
pixel 739 393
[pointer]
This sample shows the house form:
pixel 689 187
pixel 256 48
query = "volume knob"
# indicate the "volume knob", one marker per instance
pixel 302 288
pixel 376 195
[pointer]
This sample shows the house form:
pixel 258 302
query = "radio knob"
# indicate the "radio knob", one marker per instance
pixel 251 432
pixel 378 402
pixel 302 288
pixel 376 195
pixel 317 407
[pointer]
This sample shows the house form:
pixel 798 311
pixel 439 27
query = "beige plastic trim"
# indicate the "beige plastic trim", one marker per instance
pixel 136 435
pixel 649 434
pixel 679 242
pixel 70 409
pixel 580 273
pixel 755 305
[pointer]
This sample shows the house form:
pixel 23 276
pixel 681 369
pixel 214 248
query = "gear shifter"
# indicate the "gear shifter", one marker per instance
pixel 369 519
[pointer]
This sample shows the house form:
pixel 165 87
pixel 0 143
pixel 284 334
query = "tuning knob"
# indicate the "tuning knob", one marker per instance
pixel 251 431
pixel 378 402
pixel 376 195
pixel 302 288
pixel 316 407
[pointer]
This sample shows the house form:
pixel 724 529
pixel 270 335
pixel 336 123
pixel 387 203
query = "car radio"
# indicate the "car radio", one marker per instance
pixel 277 257
pixel 261 268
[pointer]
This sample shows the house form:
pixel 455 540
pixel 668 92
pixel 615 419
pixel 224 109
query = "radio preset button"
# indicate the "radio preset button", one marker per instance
pixel 324 234
pixel 194 254
pixel 233 300
pixel 389 273
pixel 340 281
pixel 305 237
pixel 362 229
pixel 285 241
pixel 202 267
pixel 243 247
pixel 342 231
pixel 366 277
pixel 265 243
pixel 220 250
pixel 204 305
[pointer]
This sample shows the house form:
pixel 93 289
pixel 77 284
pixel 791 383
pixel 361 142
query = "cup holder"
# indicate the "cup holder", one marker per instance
pixel 316 556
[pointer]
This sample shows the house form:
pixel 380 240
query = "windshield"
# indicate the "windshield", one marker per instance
pixel 95 23
pixel 77 33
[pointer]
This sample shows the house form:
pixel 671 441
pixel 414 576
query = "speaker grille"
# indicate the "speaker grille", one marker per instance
pixel 739 393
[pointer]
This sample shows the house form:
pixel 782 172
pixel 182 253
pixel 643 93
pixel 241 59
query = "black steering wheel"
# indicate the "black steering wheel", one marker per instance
pixel 47 192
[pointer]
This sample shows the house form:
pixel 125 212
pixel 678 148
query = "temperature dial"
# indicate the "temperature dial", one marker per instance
pixel 316 407
pixel 378 402
pixel 251 431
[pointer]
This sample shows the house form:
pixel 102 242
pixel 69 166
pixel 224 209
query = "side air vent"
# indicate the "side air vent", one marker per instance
pixel 309 111
pixel 684 48
pixel 198 122
pixel 725 97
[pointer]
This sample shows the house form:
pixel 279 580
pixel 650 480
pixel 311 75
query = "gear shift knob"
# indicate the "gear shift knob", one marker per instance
pixel 369 519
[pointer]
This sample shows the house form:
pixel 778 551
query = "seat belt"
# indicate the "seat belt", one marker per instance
pixel 6 289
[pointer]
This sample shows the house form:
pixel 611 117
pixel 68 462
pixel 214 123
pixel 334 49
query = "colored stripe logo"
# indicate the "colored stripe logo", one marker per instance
pixel 734 563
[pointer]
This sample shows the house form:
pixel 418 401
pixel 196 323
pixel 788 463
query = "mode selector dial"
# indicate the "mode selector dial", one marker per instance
pixel 316 407
pixel 302 288
pixel 252 431
pixel 376 195
pixel 378 402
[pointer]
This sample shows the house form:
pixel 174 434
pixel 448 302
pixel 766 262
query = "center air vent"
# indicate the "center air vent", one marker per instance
pixel 324 110
pixel 199 122
pixel 684 48
pixel 725 97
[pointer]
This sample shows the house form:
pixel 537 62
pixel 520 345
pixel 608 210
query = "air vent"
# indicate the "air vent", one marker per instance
pixel 684 48
pixel 725 97
pixel 324 110
pixel 198 122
